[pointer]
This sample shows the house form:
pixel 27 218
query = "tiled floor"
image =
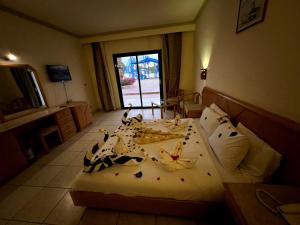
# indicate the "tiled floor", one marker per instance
pixel 39 195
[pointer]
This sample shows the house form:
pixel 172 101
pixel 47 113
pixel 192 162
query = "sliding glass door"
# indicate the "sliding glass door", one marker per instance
pixel 139 78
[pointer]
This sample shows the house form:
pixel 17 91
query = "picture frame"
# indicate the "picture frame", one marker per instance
pixel 251 12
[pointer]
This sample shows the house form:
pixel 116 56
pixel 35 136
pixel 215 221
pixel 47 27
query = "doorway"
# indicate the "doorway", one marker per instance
pixel 139 78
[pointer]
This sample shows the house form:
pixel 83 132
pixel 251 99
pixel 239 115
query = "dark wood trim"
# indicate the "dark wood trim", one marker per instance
pixel 139 80
pixel 235 210
pixel 118 80
pixel 35 20
pixel 115 56
pixel 259 21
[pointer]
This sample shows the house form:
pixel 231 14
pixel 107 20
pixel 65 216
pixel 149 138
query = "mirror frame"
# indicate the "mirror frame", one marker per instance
pixel 2 117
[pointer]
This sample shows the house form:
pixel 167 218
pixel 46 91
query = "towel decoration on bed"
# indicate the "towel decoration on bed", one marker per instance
pixel 149 135
pixel 175 160
pixel 134 121
pixel 175 125
pixel 97 159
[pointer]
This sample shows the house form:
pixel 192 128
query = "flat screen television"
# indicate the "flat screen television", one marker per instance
pixel 58 73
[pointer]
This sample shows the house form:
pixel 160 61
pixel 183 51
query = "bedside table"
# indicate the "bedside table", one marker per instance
pixel 247 210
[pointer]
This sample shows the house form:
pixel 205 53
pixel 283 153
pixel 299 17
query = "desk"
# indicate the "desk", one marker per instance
pixel 247 210
pixel 17 135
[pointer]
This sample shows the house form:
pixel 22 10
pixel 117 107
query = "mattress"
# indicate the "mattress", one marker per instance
pixel 202 182
pixel 237 176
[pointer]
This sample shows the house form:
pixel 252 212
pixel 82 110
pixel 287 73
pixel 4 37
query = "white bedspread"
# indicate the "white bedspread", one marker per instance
pixel 200 183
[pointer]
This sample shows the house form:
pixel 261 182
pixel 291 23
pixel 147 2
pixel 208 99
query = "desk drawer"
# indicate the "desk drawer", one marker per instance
pixel 68 126
pixel 64 120
pixel 68 133
pixel 62 114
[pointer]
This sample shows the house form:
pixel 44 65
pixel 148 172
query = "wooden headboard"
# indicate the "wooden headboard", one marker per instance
pixel 281 133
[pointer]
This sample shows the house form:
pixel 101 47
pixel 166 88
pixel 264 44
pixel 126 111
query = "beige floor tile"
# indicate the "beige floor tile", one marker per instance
pixel 110 121
pixel 109 128
pixel 43 177
pixel 91 136
pixel 78 146
pixel 44 160
pixel 41 205
pixel 7 190
pixel 13 222
pixel 26 175
pixel 65 213
pixel 65 177
pixel 63 159
pixel 133 218
pixel 83 142
pixel 17 200
pixel 166 220
pixel 114 122
pixel 99 217
pixel 78 160
pixel 83 145
pixel 3 222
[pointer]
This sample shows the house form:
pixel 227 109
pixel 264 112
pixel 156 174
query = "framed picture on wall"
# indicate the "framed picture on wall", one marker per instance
pixel 251 12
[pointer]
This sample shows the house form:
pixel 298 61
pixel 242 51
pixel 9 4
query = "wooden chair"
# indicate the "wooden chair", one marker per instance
pixel 176 99
pixel 45 132
pixel 190 105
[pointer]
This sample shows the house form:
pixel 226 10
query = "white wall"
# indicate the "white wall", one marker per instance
pixel 187 69
pixel 259 65
pixel 37 46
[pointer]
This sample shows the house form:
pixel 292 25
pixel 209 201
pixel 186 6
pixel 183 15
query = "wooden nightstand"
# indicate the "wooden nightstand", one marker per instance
pixel 247 210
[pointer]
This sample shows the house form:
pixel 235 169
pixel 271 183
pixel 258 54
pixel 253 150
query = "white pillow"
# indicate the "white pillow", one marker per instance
pixel 229 145
pixel 209 120
pixel 262 159
pixel 218 110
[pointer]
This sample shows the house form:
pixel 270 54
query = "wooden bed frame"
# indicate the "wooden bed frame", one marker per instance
pixel 279 132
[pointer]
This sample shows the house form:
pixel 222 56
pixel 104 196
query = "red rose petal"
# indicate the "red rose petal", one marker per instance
pixel 174 157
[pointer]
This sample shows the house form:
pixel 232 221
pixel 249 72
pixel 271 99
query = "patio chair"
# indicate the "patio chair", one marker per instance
pixel 190 105
pixel 178 93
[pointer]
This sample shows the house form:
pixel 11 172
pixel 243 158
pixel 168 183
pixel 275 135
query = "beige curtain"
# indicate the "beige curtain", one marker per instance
pixel 172 61
pixel 102 78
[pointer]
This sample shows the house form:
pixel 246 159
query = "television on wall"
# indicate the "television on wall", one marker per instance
pixel 58 73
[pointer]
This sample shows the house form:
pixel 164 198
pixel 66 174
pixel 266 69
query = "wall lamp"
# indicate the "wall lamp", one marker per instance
pixel 10 57
pixel 203 74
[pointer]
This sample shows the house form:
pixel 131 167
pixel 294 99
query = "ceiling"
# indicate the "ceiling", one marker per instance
pixel 90 17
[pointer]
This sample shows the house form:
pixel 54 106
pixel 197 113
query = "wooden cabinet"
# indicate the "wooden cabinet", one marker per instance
pixel 247 210
pixel 82 115
pixel 12 159
pixel 65 122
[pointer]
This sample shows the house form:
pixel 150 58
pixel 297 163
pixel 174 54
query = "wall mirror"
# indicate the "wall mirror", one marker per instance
pixel 20 91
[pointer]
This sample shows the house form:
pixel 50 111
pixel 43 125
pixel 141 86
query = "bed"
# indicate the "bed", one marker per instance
pixel 193 192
